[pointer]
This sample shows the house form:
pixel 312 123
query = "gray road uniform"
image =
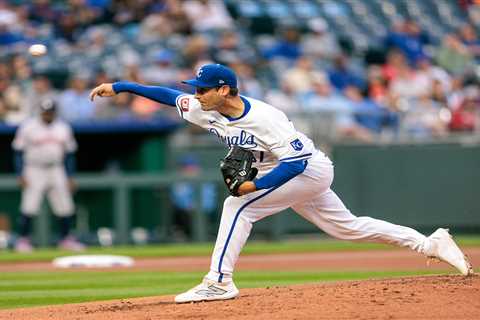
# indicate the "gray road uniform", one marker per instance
pixel 44 148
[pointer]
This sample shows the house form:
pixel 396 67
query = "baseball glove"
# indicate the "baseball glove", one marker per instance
pixel 237 168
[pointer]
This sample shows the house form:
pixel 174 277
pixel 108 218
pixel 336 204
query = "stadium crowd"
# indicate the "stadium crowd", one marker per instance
pixel 415 80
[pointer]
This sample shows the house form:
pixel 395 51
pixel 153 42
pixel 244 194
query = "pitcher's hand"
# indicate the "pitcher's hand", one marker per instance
pixel 22 182
pixel 103 90
pixel 72 185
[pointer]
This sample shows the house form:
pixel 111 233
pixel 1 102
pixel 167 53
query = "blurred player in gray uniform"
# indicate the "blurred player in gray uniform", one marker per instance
pixel 44 161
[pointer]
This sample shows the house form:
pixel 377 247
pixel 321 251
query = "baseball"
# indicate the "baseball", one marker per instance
pixel 37 50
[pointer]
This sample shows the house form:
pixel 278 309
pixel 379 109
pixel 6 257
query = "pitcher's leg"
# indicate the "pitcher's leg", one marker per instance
pixel 235 225
pixel 329 213
pixel 232 234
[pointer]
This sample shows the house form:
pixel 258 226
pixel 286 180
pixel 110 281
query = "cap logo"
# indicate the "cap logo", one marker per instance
pixel 221 81
pixel 199 72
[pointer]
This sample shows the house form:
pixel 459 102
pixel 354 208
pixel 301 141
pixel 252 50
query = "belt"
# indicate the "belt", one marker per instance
pixel 44 165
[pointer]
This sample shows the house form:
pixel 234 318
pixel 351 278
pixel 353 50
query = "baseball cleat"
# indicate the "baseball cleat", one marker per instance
pixel 444 248
pixel 209 290
pixel 23 245
pixel 71 244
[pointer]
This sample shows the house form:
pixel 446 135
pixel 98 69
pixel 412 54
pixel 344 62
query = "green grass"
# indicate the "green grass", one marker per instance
pixel 202 249
pixel 20 289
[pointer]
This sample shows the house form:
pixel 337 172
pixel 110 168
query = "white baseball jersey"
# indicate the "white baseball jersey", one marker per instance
pixel 273 138
pixel 262 129
pixel 44 144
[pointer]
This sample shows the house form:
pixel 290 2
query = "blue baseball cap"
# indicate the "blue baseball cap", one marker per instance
pixel 213 75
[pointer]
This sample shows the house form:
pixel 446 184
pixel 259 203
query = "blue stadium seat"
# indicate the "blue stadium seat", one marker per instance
pixel 249 9
pixel 305 9
pixel 277 9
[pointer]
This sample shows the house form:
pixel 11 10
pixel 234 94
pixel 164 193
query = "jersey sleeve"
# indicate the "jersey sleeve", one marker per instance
pixel 20 140
pixel 189 108
pixel 70 142
pixel 285 142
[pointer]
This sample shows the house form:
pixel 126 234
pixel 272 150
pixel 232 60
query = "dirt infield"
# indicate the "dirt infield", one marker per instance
pixel 425 297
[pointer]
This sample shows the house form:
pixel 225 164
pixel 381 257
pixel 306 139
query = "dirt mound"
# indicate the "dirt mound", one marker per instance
pixel 430 297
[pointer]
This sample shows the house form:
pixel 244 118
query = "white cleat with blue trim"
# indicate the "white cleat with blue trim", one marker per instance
pixel 442 247
pixel 209 290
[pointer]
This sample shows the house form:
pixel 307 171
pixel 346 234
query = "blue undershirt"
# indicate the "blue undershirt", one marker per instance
pixel 160 94
pixel 18 162
pixel 284 172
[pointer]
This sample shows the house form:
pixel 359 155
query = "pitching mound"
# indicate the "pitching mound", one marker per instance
pixel 431 297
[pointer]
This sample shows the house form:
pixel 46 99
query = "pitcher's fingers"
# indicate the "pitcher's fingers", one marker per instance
pixel 93 94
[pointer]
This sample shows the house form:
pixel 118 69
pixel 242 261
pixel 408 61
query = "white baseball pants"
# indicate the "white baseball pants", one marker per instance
pixel 309 194
pixel 52 181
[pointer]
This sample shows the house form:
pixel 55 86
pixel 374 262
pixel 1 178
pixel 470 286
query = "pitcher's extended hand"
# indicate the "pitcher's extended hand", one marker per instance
pixel 103 90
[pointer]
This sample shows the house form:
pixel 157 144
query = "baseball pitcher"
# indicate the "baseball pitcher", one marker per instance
pixel 44 161
pixel 270 167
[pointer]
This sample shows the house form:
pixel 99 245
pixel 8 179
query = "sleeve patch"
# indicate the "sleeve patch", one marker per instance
pixel 297 145
pixel 184 104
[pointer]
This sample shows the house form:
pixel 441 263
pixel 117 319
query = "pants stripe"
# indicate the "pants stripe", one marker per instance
pixel 220 277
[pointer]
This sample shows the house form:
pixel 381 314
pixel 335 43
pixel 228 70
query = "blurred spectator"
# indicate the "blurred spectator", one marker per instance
pixel 283 98
pixel 341 75
pixel 8 16
pixel 453 55
pixel 319 43
pixel 395 61
pixel 433 74
pixel 41 11
pixel 127 12
pixel 466 117
pixel 163 71
pixel 165 18
pixel 117 109
pixel 3 111
pixel 94 42
pixel 40 89
pixel 230 48
pixel 196 49
pixel 369 114
pixel 409 84
pixel 469 38
pixel 377 86
pixel 155 26
pixel 287 46
pixel 409 38
pixel 11 31
pixel 140 106
pixel 424 119
pixel 8 37
pixel 335 108
pixel 299 78
pixel 207 15
pixel 248 84
pixel 74 103
pixel 21 71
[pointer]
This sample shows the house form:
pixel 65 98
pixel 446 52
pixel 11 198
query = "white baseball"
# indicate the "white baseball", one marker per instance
pixel 37 49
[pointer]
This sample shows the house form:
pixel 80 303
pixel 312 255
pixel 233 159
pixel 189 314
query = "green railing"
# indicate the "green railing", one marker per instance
pixel 121 185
